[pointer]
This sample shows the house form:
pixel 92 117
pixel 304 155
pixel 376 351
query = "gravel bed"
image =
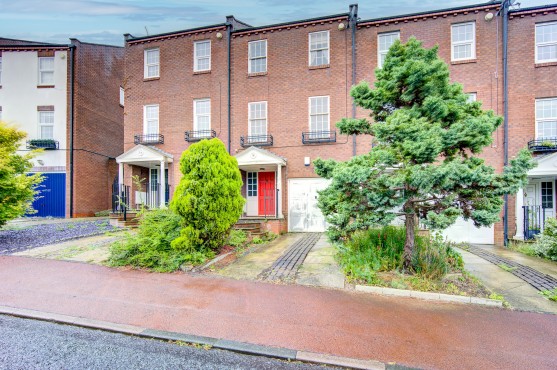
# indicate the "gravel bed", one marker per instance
pixel 13 241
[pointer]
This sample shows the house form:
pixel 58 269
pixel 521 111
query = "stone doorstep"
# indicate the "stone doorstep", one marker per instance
pixel 428 295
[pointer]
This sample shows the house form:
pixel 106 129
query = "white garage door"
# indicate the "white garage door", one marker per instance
pixel 303 213
pixel 465 232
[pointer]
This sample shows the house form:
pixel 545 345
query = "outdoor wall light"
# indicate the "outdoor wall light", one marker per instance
pixel 219 35
pixel 341 26
pixel 306 161
pixel 488 17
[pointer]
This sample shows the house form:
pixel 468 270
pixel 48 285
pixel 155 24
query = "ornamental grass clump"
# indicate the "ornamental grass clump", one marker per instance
pixel 368 252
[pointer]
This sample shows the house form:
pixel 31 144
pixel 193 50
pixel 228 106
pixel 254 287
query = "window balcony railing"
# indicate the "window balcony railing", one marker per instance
pixel 256 140
pixel 46 144
pixel 148 139
pixel 192 136
pixel 543 145
pixel 314 137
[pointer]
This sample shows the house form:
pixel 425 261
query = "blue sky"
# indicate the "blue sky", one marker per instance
pixel 105 21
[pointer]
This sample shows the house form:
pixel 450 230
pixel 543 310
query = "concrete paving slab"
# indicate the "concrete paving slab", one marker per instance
pixel 252 264
pixel 320 267
pixel 517 292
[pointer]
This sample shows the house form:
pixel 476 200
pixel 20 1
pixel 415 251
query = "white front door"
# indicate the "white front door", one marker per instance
pixel 547 193
pixel 303 213
pixel 252 208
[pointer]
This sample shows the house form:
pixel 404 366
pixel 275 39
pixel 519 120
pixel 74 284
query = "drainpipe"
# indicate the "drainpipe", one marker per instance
pixel 229 20
pixel 353 25
pixel 71 109
pixel 505 15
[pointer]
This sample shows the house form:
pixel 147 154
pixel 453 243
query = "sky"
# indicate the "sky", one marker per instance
pixel 105 21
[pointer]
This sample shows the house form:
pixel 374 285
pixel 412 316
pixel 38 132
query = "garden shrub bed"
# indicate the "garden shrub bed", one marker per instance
pixel 375 257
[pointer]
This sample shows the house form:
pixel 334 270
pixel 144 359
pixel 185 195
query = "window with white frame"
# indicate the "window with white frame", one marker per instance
pixel 546 42
pixel 46 124
pixel 319 48
pixel 121 96
pixel 318 117
pixel 257 116
pixel 384 42
pixel 151 119
pixel 202 56
pixel 46 70
pixel 257 55
pixel 472 97
pixel 546 118
pixel 252 184
pixel 463 41
pixel 202 117
pixel 152 63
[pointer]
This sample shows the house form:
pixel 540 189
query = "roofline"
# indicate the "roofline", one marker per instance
pixel 533 8
pixel 133 39
pixel 29 41
pixel 95 44
pixel 432 12
pixel 276 25
pixel 36 46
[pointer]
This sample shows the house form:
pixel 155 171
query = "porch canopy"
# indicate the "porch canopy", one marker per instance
pixel 255 159
pixel 536 200
pixel 145 156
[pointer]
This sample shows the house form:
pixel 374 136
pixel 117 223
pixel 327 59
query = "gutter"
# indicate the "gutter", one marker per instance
pixel 72 118
pixel 505 15
pixel 229 82
pixel 353 19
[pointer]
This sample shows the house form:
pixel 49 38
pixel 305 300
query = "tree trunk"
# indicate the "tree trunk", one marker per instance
pixel 410 223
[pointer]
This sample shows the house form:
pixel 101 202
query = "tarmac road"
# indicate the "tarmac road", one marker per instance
pixel 30 344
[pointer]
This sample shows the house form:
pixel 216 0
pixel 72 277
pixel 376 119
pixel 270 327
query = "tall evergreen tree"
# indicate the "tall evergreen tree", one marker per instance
pixel 423 164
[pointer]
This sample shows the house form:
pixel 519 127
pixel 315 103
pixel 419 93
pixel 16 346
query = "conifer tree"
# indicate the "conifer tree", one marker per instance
pixel 208 197
pixel 17 188
pixel 424 164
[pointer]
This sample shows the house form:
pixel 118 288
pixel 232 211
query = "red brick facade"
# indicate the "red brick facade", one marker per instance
pixel 289 82
pixel 98 125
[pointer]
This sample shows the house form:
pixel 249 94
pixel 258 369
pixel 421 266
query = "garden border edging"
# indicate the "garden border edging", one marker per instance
pixel 428 295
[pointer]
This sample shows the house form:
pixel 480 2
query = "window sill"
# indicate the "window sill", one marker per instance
pixel 464 61
pixel 320 67
pixel 45 86
pixel 201 72
pixel 545 64
pixel 257 74
pixel 146 79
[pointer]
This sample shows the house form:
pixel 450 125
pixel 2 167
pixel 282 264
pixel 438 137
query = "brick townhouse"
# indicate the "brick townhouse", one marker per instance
pixel 273 94
pixel 67 98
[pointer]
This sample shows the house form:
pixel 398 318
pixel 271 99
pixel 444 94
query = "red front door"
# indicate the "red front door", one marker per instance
pixel 267 193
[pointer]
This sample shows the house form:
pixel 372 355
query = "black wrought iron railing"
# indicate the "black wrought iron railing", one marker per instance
pixel 192 136
pixel 256 140
pixel 148 139
pixel 46 144
pixel 313 137
pixel 543 145
pixel 534 221
pixel 120 198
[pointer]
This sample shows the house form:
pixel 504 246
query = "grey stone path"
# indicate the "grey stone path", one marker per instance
pixel 538 280
pixel 285 266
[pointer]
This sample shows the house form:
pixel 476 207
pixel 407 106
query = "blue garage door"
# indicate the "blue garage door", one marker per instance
pixel 52 196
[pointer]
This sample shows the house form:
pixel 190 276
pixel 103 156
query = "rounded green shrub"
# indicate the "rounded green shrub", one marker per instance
pixel 208 197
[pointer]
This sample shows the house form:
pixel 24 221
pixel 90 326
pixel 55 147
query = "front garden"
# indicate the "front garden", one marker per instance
pixel 375 257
